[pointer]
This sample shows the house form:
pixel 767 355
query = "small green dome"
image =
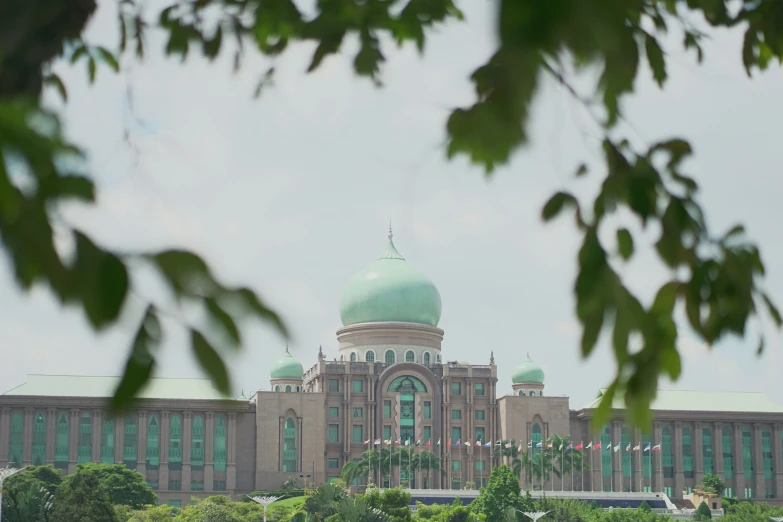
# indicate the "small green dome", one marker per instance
pixel 390 290
pixel 287 368
pixel 528 371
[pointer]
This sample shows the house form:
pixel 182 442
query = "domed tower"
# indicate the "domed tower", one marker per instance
pixel 286 374
pixel 528 379
pixel 390 313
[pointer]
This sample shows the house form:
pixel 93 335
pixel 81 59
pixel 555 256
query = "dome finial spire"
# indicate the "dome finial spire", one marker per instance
pixel 286 349
pixel 391 235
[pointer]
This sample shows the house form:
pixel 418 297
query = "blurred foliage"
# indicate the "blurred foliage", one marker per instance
pixel 714 276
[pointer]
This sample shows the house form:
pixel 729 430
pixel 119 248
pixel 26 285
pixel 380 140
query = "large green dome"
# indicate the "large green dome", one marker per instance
pixel 528 371
pixel 287 368
pixel 390 290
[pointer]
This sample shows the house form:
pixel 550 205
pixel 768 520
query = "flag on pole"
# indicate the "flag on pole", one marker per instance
pixel 428 443
pixel 508 445
pixel 398 442
pixel 597 445
pixel 487 444
pixel 617 448
pixel 519 449
pixel 478 443
pixel 549 446
pixel 408 442
pixel 467 443
pixel 387 441
pixel 637 447
pixel 657 447
pixel 438 442
pixel 589 445
pixel 458 442
pixel 418 442
pixel 570 447
pixel 366 442
pixel 578 446
pixel 530 444
pixel 628 447
pixel 539 445
pixel 561 447
pixel 377 442
pixel 648 447
pixel 448 443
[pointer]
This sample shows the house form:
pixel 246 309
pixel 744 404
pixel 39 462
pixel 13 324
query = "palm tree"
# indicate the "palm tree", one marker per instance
pixel 358 510
pixel 324 500
pixel 367 466
pixel 31 504
pixel 426 461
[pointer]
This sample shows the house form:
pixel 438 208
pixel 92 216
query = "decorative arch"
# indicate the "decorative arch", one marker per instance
pixel 61 444
pixel 536 437
pixel 747 453
pixel 298 389
pixel 606 452
pixel 438 358
pixel 107 441
pixel 407 383
pixel 521 393
pixel 426 359
pixel 728 454
pixel 369 356
pixel 16 444
pixel 277 387
pixel 532 393
pixel 288 388
pixel 289 445
pixel 766 453
pixel 353 356
pixel 706 451
pixel 687 452
pixel 667 459
pixel 219 449
pixel 390 357
pixel 197 442
pixel 84 444
pixel 410 356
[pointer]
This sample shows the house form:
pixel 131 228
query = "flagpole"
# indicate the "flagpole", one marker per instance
pixel 611 467
pixel 562 461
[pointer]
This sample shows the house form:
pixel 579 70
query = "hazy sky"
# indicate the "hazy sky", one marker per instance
pixel 292 194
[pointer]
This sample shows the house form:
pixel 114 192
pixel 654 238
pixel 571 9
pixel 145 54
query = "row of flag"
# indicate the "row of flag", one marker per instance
pixel 507 445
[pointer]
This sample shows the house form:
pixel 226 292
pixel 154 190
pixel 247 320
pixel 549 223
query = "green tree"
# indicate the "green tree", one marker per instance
pixel 746 511
pixel 82 498
pixel 32 503
pixel 322 502
pixel 500 495
pixel 394 502
pixel 715 276
pixel 427 462
pixel 124 486
pixel 644 506
pixel 713 483
pixel 162 513
pixel 44 476
pixel 703 511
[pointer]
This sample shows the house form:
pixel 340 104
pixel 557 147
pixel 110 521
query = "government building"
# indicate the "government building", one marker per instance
pixel 387 382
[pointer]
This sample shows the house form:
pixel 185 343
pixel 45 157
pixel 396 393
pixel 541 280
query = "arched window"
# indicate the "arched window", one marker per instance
pixel 130 448
pixel 39 440
pixel 536 438
pixel 298 389
pixel 219 452
pixel 728 454
pixel 61 444
pixel 426 358
pixel 353 356
pixel 288 388
pixel 438 358
pixel 389 356
pixel 687 452
pixel 84 444
pixel 747 453
pixel 289 446
pixel 706 451
pixel 766 453
pixel 667 458
pixel 521 393
pixel 407 384
pixel 175 441
pixel 153 442
pixel 409 356
pixel 532 393
pixel 277 387
pixel 16 445
pixel 197 442
pixel 107 441
pixel 369 356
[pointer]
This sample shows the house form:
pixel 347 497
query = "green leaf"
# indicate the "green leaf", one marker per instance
pixel 773 310
pixel 108 58
pixel 210 361
pixel 556 204
pixel 760 348
pixel 140 363
pixel 223 320
pixel 581 171
pixel 212 46
pixel 267 80
pixel 666 298
pixel 625 243
pixel 736 230
pixel 101 281
pixel 671 362
pixel 250 301
pixel 78 53
pixel 656 60
pixel 186 273
pixel 91 69
pixel 56 82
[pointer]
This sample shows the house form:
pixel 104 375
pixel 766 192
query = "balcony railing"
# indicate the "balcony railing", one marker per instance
pixel 85 451
pixel 153 453
pixel 175 453
pixel 107 451
pixel 129 453
pixel 290 433
pixel 197 454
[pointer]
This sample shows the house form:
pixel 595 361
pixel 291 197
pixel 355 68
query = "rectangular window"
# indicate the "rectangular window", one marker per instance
pixel 728 492
pixel 427 410
pixel 334 411
pixel 197 485
pixel 333 463
pixel 456 465
pixel 387 409
pixel 481 465
pixel 479 414
pixel 667 490
pixel 456 388
pixel 153 484
pixel 175 485
pixel 219 485
pixel 456 434
pixel 480 437
pixel 427 434
pixel 334 385
pixel 333 434
pixel 479 389
pixel 748 492
pixel 386 433
pixel 358 386
pixel 358 413
pixel 175 503
pixel 456 483
pixel 356 434
pixel 456 414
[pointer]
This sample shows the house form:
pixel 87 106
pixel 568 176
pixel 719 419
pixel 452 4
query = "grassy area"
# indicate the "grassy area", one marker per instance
pixel 289 502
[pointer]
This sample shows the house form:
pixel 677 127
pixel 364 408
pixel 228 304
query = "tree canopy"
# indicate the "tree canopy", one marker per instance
pixel 124 486
pixel 715 276
pixel 82 498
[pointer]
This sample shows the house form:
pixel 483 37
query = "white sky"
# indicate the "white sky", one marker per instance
pixel 292 194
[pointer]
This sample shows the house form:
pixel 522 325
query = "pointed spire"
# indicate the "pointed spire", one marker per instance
pixel 286 349
pixel 320 352
pixel 391 235
pixel 492 357
pixel 390 252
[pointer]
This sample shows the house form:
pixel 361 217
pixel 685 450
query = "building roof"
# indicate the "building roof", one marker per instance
pixel 687 400
pixel 390 290
pixel 94 386
pixel 287 367
pixel 528 372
